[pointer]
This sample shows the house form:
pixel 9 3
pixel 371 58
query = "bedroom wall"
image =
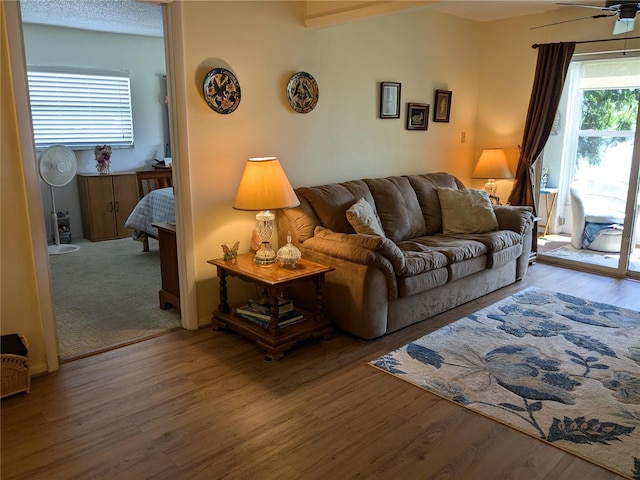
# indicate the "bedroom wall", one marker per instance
pixel 144 58
pixel 264 43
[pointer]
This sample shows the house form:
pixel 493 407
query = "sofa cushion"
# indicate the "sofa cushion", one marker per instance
pixel 455 249
pixel 504 256
pixel 425 187
pixel 466 267
pixel 397 207
pixel 422 282
pixel 466 211
pixel 330 202
pixel 363 219
pixel 420 258
pixel 496 240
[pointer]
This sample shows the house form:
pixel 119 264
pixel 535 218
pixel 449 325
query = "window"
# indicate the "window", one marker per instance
pixel 80 108
pixel 608 92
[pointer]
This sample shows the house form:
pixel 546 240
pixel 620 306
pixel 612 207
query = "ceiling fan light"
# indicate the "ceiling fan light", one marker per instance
pixel 623 26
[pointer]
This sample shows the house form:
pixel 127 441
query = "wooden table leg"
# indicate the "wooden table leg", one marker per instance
pixel 223 306
pixel 325 334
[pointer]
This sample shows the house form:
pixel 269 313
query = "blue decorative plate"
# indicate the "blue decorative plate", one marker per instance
pixel 302 92
pixel 222 90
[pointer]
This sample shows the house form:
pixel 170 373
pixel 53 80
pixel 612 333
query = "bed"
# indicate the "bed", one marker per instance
pixel 156 204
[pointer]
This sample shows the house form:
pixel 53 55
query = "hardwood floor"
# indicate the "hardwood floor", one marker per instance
pixel 204 405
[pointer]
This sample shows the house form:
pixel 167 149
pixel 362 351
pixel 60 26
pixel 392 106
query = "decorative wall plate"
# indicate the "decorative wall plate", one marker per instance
pixel 302 92
pixel 221 90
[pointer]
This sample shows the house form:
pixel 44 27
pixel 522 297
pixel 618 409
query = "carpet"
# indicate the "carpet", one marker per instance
pixel 569 252
pixel 557 367
pixel 106 294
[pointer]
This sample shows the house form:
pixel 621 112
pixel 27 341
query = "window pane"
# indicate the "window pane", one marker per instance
pixel 80 109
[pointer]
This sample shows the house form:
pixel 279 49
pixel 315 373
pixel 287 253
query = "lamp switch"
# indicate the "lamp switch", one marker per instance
pixel 463 137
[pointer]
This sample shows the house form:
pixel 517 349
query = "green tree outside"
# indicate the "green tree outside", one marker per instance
pixel 606 110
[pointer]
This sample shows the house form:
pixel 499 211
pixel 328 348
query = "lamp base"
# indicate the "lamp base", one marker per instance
pixel 264 226
pixel 265 255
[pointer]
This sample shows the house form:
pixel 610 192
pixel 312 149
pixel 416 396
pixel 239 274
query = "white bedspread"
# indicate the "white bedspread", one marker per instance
pixel 156 206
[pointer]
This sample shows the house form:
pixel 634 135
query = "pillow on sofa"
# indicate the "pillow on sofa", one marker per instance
pixel 363 219
pixel 466 211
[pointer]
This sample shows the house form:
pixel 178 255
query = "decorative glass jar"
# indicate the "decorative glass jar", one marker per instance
pixel 288 255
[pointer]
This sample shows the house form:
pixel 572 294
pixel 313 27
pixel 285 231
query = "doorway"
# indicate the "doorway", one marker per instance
pixel 588 174
pixel 82 47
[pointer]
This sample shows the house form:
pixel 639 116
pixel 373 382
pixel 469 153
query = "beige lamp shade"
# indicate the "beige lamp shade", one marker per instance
pixel 264 186
pixel 492 164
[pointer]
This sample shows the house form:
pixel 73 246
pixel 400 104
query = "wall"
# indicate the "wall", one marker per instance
pixel 144 58
pixel 19 305
pixel 264 43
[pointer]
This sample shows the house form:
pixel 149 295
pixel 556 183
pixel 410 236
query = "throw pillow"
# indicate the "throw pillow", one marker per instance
pixel 466 211
pixel 363 219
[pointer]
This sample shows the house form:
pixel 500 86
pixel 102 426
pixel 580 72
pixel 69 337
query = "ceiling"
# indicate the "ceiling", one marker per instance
pixel 114 16
pixel 132 17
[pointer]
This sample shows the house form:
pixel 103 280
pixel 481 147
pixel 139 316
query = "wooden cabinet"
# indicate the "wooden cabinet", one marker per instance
pixel 106 201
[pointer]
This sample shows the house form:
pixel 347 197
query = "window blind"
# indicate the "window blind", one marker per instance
pixel 80 108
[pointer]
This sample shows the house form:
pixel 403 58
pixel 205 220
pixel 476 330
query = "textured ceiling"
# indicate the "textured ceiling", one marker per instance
pixel 115 16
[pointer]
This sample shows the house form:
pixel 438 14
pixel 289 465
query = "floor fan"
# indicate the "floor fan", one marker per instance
pixel 57 168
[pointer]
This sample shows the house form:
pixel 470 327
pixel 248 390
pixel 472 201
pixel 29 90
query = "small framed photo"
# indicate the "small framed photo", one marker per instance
pixel 442 108
pixel 390 100
pixel 417 116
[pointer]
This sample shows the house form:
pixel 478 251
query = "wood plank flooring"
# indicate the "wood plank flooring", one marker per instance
pixel 204 405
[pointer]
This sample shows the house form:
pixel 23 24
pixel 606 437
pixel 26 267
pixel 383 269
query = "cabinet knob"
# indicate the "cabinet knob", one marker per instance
pixel 110 207
pixel 117 207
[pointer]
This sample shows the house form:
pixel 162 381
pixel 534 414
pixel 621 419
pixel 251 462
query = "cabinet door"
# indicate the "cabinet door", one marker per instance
pixel 101 207
pixel 125 194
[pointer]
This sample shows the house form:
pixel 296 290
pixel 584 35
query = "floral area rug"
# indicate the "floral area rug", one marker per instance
pixel 557 367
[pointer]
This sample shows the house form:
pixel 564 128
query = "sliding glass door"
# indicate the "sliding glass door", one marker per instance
pixel 587 178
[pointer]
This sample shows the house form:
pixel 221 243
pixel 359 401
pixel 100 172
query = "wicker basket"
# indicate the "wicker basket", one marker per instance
pixel 14 370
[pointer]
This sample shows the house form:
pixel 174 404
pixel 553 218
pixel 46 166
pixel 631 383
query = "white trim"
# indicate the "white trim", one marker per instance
pixel 176 75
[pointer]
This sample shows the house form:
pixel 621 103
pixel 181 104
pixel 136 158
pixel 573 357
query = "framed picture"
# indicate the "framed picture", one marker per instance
pixel 442 108
pixel 389 100
pixel 417 116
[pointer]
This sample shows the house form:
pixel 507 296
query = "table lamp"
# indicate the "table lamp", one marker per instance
pixel 264 186
pixel 492 164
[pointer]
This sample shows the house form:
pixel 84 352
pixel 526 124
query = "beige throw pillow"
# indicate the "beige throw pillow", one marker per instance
pixel 466 211
pixel 363 219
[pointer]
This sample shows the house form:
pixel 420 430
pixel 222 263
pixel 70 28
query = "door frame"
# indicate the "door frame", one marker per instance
pixel 631 213
pixel 184 226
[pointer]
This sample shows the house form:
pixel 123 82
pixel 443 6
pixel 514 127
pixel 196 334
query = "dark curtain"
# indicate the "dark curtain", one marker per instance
pixel 551 71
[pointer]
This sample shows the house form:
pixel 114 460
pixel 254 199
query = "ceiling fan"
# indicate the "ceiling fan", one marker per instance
pixel 625 12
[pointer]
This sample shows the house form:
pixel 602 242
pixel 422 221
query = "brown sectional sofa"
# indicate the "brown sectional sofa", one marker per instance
pixel 382 283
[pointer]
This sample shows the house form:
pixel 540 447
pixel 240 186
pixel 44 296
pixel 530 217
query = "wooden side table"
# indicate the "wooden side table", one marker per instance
pixel 170 292
pixel 275 340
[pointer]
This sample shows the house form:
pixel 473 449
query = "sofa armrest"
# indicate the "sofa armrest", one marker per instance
pixel 366 250
pixel 515 218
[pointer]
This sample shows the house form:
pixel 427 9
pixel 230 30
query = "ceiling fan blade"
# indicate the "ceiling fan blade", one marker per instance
pixel 572 20
pixel 623 26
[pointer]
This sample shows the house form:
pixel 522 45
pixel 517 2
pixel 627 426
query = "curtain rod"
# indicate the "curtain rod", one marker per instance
pixel 536 45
